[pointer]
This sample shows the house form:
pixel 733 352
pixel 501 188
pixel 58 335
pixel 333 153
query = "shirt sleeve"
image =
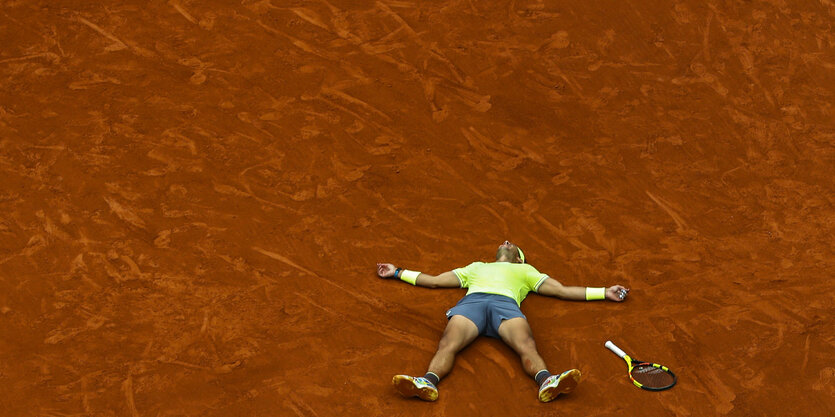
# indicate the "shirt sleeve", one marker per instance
pixel 465 274
pixel 535 279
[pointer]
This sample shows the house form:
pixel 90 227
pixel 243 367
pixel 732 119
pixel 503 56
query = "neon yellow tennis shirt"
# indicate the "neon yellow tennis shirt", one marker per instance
pixel 503 278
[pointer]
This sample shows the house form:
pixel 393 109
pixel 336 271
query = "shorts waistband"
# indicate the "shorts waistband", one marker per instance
pixel 489 295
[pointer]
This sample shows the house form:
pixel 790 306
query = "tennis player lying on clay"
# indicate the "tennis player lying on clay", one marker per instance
pixel 491 308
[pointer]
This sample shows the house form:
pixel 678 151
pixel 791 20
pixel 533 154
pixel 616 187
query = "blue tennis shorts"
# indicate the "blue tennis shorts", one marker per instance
pixel 487 311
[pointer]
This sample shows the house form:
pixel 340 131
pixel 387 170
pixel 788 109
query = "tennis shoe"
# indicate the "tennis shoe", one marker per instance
pixel 555 385
pixel 410 386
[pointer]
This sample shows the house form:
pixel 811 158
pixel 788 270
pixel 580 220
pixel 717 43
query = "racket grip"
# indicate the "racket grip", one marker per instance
pixel 615 349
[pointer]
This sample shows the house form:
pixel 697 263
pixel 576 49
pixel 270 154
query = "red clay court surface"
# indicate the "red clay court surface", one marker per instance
pixel 194 194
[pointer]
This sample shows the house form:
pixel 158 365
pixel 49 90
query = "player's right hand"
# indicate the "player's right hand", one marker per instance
pixel 385 270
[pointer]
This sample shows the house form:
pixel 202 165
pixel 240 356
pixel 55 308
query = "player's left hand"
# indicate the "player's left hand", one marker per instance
pixel 617 293
pixel 385 270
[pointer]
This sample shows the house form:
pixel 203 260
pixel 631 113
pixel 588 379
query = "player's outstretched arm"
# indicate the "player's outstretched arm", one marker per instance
pixel 554 288
pixel 445 280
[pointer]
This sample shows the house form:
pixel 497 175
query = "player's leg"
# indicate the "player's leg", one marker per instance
pixel 517 334
pixel 460 332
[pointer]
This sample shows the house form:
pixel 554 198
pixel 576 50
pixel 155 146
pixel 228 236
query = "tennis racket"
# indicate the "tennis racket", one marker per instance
pixel 646 375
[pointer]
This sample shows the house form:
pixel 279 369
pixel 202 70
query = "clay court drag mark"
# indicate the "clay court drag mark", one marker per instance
pixel 193 196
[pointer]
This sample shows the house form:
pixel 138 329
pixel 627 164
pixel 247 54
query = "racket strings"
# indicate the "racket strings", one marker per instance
pixel 652 377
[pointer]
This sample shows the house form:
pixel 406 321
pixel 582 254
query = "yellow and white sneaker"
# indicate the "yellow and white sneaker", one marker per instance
pixel 559 384
pixel 410 386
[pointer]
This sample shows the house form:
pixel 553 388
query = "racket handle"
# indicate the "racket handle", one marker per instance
pixel 615 349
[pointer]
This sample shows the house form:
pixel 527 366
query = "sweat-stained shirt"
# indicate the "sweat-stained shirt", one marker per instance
pixel 503 278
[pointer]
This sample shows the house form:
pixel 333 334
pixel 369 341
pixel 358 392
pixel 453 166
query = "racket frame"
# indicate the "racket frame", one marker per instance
pixel 633 363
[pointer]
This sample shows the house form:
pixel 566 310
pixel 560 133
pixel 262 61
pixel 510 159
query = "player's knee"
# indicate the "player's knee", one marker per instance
pixel 446 344
pixel 450 343
pixel 526 344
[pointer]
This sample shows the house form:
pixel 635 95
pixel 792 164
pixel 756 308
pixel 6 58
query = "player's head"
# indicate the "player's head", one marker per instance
pixel 509 252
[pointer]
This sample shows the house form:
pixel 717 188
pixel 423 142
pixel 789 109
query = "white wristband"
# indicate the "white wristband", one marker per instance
pixel 409 276
pixel 593 293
